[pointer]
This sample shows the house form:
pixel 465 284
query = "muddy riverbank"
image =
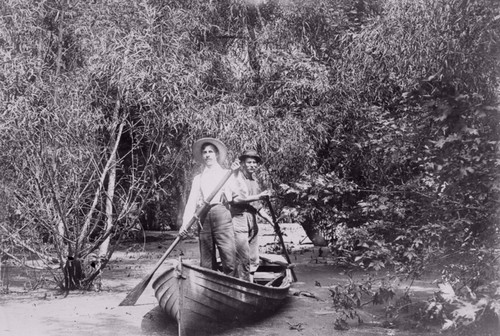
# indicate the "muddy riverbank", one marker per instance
pixel 308 310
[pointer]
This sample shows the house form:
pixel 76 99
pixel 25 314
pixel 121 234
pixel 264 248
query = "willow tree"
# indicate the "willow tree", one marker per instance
pixel 70 99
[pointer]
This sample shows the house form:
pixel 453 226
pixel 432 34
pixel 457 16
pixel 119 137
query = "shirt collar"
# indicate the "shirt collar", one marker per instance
pixel 215 168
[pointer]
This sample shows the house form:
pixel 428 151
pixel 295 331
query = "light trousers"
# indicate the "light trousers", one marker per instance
pixel 247 246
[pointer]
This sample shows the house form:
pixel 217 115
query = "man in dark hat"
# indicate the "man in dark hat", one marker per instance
pixel 216 225
pixel 244 208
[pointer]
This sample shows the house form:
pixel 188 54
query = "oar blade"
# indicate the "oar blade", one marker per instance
pixel 134 295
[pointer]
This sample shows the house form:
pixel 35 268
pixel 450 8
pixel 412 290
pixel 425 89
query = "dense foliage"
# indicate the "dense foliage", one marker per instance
pixel 408 178
pixel 377 120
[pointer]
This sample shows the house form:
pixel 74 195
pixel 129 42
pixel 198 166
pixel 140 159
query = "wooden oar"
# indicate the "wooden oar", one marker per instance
pixel 277 229
pixel 134 295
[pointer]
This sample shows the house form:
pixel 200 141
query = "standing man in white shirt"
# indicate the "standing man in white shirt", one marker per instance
pixel 216 225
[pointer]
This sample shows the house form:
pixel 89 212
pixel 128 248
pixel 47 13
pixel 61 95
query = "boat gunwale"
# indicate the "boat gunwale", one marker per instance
pixel 228 278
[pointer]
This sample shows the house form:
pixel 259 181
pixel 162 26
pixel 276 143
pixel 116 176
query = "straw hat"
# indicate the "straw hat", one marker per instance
pixel 216 143
pixel 250 153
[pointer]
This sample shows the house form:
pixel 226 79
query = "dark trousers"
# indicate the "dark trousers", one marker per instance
pixel 218 232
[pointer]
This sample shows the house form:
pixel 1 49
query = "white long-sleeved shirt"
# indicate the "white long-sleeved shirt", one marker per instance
pixel 203 185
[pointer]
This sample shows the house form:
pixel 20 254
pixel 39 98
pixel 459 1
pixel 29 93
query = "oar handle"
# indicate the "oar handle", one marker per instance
pixel 167 252
pixel 277 229
pixel 206 202
pixel 195 218
pixel 219 186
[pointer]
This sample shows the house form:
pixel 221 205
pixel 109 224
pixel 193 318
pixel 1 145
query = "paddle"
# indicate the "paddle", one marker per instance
pixel 134 295
pixel 277 229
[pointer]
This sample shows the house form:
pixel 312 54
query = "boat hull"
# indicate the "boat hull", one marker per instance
pixel 198 298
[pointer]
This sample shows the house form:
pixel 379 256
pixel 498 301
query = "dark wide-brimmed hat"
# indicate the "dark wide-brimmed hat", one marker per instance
pixel 250 154
pixel 214 142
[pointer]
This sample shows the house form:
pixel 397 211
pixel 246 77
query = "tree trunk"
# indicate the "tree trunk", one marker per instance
pixel 73 274
pixel 63 249
pixel 180 205
pixel 103 249
pixel 252 23
pixel 183 190
pixel 110 194
pixel 59 43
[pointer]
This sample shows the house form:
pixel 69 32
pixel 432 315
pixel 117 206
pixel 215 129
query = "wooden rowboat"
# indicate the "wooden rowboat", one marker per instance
pixel 198 298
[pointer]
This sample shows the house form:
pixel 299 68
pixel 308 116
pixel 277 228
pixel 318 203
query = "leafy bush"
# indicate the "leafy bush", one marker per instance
pixel 466 310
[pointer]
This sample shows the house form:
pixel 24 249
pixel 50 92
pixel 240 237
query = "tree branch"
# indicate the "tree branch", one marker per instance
pixel 83 233
pixel 19 242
